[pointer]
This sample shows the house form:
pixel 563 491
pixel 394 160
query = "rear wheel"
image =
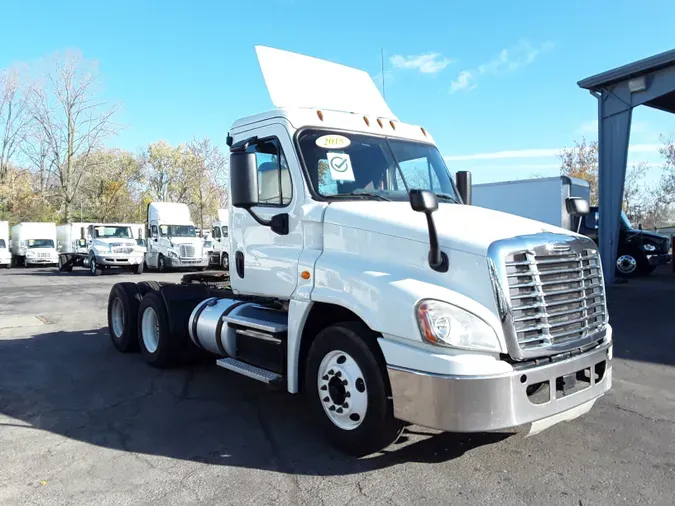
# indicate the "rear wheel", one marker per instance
pixel 158 345
pixel 348 389
pixel 123 304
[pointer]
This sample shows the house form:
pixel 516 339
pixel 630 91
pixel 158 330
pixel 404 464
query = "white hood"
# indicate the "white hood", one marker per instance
pixel 465 228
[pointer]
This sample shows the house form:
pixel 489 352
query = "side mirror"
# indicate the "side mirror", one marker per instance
pixel 463 182
pixel 82 243
pixel 424 201
pixel 576 206
pixel 244 179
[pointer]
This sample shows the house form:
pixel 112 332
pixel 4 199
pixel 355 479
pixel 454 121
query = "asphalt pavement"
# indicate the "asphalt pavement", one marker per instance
pixel 83 424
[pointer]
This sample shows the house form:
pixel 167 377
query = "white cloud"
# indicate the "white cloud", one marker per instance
pixel 463 82
pixel 540 153
pixel 508 60
pixel 428 63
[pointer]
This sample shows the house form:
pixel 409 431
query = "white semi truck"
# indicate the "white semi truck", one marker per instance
pixel 220 242
pixel 172 241
pixel 34 243
pixel 100 246
pixel 371 286
pixel 5 254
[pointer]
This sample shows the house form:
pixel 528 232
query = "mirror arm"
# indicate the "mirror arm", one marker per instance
pixel 278 223
pixel 438 260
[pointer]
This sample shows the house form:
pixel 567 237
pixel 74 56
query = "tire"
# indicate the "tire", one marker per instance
pixel 9 265
pixel 161 263
pixel 149 286
pixel 94 268
pixel 158 346
pixel 630 265
pixel 124 297
pixel 225 261
pixel 138 269
pixel 201 269
pixel 361 429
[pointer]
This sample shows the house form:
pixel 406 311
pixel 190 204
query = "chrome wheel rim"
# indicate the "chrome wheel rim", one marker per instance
pixel 626 264
pixel 117 317
pixel 92 265
pixel 150 329
pixel 342 390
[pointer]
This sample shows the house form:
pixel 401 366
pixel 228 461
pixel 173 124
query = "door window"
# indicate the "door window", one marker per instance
pixel 274 178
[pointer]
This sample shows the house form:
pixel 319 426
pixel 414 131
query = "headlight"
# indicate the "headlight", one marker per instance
pixel 447 325
pixel 172 254
pixel 648 247
pixel 30 253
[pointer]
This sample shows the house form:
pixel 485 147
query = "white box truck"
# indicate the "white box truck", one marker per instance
pixel 172 241
pixel 100 246
pixel 5 254
pixel 219 240
pixel 369 284
pixel 34 243
pixel 547 200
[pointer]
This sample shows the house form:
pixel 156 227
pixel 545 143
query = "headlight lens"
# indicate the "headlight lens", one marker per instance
pixel 447 325
pixel 172 254
pixel 648 247
pixel 30 253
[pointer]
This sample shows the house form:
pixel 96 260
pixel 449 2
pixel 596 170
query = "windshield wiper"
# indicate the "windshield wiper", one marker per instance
pixel 447 196
pixel 360 193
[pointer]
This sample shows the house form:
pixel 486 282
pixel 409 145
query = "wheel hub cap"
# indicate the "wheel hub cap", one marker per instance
pixel 342 389
pixel 626 264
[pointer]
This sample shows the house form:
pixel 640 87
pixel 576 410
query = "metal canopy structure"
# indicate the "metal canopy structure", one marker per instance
pixel 649 82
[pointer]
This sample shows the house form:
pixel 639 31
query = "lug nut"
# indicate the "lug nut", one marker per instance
pixel 339 410
pixel 324 387
pixel 332 408
pixel 348 394
pixel 331 372
pixel 345 405
pixel 338 374
pixel 326 399
pixel 325 377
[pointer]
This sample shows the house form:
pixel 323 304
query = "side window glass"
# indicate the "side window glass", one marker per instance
pixel 216 233
pixel 154 231
pixel 274 178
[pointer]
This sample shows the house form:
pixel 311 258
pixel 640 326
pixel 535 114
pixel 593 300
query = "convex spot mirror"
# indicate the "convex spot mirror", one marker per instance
pixel 577 206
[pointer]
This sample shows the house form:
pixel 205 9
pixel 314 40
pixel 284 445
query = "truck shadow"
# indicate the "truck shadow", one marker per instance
pixel 75 385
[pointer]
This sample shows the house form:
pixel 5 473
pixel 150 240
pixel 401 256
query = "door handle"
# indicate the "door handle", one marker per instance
pixel 239 263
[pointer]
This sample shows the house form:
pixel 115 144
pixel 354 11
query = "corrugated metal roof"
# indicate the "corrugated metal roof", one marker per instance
pixel 634 69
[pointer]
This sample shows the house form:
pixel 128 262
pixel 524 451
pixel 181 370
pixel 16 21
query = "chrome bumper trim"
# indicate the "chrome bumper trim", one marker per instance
pixel 486 403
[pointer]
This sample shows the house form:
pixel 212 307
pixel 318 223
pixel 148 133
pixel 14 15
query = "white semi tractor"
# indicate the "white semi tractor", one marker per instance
pixel 34 243
pixel 220 242
pixel 5 254
pixel 100 246
pixel 371 286
pixel 172 240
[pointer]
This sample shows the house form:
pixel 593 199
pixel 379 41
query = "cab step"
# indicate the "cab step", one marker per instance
pixel 257 373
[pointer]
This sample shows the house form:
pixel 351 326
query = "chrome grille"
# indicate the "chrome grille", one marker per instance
pixel 42 254
pixel 187 251
pixel 125 250
pixel 555 297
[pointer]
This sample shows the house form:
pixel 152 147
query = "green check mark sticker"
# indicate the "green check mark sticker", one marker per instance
pixel 339 164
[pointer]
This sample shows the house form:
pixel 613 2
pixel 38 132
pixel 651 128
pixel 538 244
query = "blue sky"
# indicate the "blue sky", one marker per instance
pixel 493 81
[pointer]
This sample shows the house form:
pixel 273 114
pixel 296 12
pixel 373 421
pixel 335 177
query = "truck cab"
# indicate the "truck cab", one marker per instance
pixel 361 278
pixel 639 252
pixel 172 240
pixel 220 240
pixel 112 245
pixel 34 243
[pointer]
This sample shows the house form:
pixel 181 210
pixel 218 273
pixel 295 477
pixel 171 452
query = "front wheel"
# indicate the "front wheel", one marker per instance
pixel 627 266
pixel 225 261
pixel 161 263
pixel 138 269
pixel 348 389
pixel 94 268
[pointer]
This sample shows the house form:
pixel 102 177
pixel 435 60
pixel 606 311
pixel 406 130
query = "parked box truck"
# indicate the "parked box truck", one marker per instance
pixel 100 246
pixel 371 286
pixel 34 243
pixel 5 254
pixel 545 199
pixel 172 240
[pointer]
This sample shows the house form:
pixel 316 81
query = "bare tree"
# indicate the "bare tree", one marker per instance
pixel 13 117
pixel 207 175
pixel 72 121
pixel 581 161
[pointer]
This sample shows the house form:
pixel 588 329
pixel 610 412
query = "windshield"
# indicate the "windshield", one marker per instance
pixel 177 230
pixel 224 231
pixel 112 232
pixel 40 243
pixel 2 244
pixel 349 164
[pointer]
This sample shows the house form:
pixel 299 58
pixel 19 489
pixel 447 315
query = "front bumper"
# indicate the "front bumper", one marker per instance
pixel 495 402
pixel 121 261
pixel 187 262
pixel 5 260
pixel 662 259
pixel 41 260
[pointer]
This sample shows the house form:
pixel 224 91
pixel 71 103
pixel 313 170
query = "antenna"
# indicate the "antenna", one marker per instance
pixel 382 69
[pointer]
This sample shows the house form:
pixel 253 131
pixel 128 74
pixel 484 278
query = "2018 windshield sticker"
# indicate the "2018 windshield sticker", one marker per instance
pixel 340 167
pixel 333 141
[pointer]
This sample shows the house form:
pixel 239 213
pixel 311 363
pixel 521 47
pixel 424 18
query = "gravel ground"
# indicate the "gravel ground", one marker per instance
pixel 83 424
